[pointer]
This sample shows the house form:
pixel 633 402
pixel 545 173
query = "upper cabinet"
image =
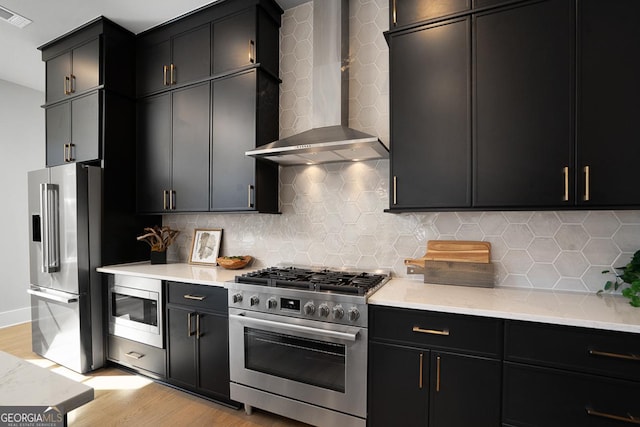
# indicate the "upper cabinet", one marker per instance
pixel 405 12
pixel 523 127
pixel 608 108
pixel 83 68
pixel 182 58
pixel 73 71
pixel 551 108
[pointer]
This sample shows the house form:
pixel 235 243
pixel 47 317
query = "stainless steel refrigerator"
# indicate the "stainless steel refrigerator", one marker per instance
pixel 65 207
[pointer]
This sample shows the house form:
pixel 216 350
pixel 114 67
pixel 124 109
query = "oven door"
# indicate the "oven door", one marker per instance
pixel 136 314
pixel 319 363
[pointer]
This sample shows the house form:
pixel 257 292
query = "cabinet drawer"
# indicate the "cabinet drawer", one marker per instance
pixel 211 298
pixel 475 335
pixel 137 355
pixel 550 397
pixel 615 354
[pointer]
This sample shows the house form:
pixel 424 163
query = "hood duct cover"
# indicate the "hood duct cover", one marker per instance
pixel 330 139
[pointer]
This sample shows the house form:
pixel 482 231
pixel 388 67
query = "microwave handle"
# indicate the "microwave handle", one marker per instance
pixel 322 333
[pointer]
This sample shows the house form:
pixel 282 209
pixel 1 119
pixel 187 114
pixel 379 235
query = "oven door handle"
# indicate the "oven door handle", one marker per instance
pixel 322 333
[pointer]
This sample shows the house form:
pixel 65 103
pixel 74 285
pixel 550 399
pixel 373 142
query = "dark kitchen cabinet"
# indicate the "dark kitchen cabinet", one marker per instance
pixel 243 39
pixel 404 12
pixel 197 339
pixel 447 369
pixel 73 130
pixel 244 115
pixel 560 376
pixel 73 71
pixel 430 115
pixel 608 108
pixel 173 151
pixel 523 105
pixel 176 60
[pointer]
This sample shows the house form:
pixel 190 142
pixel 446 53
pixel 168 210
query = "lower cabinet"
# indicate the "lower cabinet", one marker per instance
pixel 197 339
pixel 433 369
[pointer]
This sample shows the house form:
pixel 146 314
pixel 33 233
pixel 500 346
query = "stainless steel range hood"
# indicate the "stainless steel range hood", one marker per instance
pixel 330 139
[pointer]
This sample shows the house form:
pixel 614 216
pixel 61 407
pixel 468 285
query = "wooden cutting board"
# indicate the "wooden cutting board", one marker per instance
pixel 458 250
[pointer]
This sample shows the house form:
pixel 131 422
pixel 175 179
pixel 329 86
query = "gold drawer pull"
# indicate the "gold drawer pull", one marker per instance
pixel 438 374
pixel 420 372
pixel 134 355
pixel 194 297
pixel 430 331
pixel 628 419
pixel 629 356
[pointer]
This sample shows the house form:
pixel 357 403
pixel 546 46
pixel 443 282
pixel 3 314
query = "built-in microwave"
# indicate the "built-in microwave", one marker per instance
pixel 135 309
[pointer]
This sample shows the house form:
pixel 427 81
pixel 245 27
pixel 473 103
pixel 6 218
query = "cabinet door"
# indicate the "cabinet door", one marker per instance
pixel 153 152
pixel 234 41
pixel 523 105
pixel 398 389
pixel 608 107
pixel 405 12
pixel 58 69
pixel 465 391
pixel 430 102
pixel 181 346
pixel 86 66
pixel 58 132
pixel 192 55
pixel 85 128
pixel 213 361
pixel 190 176
pixel 151 59
pixel 234 133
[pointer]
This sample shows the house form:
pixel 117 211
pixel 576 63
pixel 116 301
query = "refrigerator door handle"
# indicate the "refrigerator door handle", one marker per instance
pixel 49 228
pixel 57 297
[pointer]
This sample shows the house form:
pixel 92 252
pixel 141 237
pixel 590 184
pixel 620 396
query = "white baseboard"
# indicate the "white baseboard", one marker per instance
pixel 15 317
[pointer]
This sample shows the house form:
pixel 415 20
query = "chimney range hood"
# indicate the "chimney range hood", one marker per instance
pixel 330 139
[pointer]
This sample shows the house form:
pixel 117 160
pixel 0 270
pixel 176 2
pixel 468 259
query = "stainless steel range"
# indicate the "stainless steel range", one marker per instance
pixel 298 343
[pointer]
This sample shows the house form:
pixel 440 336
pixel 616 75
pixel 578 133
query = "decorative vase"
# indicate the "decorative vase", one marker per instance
pixel 158 257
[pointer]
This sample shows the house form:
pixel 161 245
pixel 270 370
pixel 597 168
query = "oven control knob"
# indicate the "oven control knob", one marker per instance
pixel 237 298
pixel 255 300
pixel 272 303
pixel 338 312
pixel 353 314
pixel 324 310
pixel 309 308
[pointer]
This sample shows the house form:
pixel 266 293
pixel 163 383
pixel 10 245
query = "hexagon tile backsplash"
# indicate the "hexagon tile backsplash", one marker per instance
pixel 333 215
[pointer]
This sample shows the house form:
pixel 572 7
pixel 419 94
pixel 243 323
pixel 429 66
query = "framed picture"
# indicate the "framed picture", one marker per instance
pixel 205 246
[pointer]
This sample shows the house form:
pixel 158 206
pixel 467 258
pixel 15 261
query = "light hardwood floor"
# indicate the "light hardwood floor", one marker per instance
pixel 125 399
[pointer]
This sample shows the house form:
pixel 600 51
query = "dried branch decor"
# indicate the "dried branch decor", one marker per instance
pixel 159 238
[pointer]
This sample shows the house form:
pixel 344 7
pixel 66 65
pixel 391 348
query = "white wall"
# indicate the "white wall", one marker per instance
pixel 22 137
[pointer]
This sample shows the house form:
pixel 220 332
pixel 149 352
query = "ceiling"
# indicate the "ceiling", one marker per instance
pixel 20 61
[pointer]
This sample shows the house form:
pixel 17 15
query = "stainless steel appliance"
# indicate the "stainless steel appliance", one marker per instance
pixel 298 343
pixel 65 206
pixel 135 309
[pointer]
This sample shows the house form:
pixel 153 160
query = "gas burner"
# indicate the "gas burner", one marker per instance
pixel 322 280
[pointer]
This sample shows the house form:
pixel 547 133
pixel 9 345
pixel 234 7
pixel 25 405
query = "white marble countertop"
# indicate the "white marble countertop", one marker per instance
pixel 557 307
pixel 25 384
pixel 610 312
pixel 179 272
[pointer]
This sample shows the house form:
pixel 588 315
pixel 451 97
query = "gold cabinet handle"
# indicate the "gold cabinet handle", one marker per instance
pixel 67 81
pixel 72 85
pixel 172 200
pixel 71 145
pixel 438 373
pixel 629 356
pixel 173 75
pixel 194 297
pixel 628 419
pixel 250 193
pixel 421 370
pixel 586 196
pixel 165 69
pixel 394 14
pixel 395 190
pixel 444 332
pixel 164 199
pixel 189 329
pixel 134 355
pixel 65 155
pixel 565 175
pixel 68 153
pixel 252 51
